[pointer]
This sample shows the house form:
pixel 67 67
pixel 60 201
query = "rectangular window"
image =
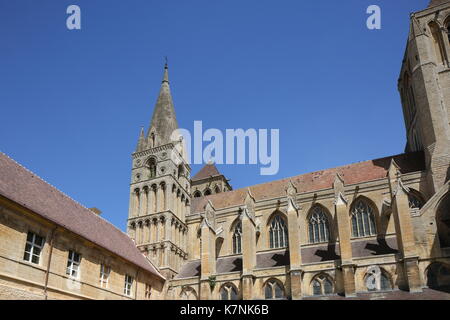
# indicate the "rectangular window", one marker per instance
pixel 148 291
pixel 104 275
pixel 33 248
pixel 73 264
pixel 128 285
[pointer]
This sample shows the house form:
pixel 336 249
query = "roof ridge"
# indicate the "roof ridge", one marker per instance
pixel 312 172
pixel 63 193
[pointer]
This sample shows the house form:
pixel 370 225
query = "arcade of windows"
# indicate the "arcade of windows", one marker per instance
pixel 362 221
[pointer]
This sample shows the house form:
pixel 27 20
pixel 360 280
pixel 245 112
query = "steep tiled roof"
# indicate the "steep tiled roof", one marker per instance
pixel 28 190
pixel 352 174
pixel 206 172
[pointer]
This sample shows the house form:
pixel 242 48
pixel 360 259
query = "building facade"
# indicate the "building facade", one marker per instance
pixel 374 226
pixel 54 248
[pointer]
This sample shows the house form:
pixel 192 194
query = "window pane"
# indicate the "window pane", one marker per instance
pixel 234 295
pixel 355 226
pixel 39 241
pixel 311 235
pixel 317 291
pixel 327 287
pixel 223 294
pixel 35 259
pixel 278 291
pixel 268 291
pixel 385 283
pixel 28 247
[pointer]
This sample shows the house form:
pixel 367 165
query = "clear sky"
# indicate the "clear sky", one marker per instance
pixel 72 102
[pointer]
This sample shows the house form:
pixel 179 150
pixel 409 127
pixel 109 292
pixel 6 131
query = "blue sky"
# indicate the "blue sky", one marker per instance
pixel 72 102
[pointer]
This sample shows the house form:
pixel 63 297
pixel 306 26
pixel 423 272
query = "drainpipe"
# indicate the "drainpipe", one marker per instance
pixel 135 289
pixel 52 236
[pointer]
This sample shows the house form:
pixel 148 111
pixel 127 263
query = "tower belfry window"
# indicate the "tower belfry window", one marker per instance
pixel 437 42
pixel 152 140
pixel 152 168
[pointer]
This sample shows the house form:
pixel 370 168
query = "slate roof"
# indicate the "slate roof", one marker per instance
pixel 352 174
pixel 30 191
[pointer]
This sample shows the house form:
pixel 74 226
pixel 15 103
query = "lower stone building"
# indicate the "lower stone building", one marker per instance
pixel 51 247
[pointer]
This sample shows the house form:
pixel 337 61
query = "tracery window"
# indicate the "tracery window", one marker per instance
pixel 237 238
pixel 318 226
pixel 278 233
pixel 207 192
pixel 322 285
pixel 363 221
pixel 273 290
pixel 228 292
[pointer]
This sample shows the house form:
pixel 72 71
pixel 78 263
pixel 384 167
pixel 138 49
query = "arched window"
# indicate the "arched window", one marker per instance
pixel 438 276
pixel 216 189
pixel 273 290
pixel 322 285
pixel 197 194
pixel 180 171
pixel 377 280
pixel 228 292
pixel 318 225
pixel 437 42
pixel 207 192
pixel 151 164
pixel 278 233
pixel 237 238
pixel 152 140
pixel 363 220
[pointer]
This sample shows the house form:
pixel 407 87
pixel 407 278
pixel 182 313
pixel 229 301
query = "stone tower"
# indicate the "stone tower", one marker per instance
pixel 160 188
pixel 424 86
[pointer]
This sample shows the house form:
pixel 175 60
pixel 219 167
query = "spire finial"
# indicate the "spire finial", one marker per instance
pixel 166 71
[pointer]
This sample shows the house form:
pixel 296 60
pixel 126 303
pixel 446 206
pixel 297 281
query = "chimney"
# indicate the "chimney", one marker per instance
pixel 96 211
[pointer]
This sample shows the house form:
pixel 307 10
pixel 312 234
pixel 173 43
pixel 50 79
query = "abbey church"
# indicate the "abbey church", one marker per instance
pixel 378 228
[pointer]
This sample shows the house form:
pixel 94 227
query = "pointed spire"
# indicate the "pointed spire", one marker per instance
pixel 164 121
pixel 141 142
